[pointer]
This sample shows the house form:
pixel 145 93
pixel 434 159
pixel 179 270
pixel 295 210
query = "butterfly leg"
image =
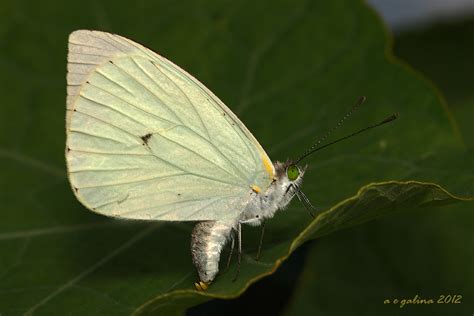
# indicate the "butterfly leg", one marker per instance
pixel 261 242
pixel 239 250
pixel 231 252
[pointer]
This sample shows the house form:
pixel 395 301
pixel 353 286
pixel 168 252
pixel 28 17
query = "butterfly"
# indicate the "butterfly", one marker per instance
pixel 148 141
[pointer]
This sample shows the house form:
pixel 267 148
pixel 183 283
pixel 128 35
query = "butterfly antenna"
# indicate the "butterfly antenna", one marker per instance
pixel 385 121
pixel 359 102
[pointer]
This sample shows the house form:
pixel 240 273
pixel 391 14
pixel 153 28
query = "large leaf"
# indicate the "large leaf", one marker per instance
pixel 428 256
pixel 289 71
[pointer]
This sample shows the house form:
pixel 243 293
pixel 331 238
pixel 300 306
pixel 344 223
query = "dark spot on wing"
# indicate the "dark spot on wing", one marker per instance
pixel 111 62
pixel 68 149
pixel 74 110
pixel 76 189
pixel 146 138
pixel 179 194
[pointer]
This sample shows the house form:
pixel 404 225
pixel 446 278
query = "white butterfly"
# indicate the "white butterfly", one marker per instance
pixel 146 140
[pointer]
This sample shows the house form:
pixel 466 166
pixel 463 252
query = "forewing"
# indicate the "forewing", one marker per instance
pixel 146 140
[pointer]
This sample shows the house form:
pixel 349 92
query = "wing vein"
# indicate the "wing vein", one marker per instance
pixel 105 122
pixel 174 203
pixel 186 96
pixel 199 155
pixel 115 83
pixel 217 150
pixel 105 170
pixel 165 161
pixel 82 44
pixel 82 63
pixel 129 182
pixel 89 54
pixel 96 136
pixel 215 103
pixel 109 153
pixel 169 139
pixel 128 199
pixel 133 105
pixel 115 110
pixel 151 93
pixel 107 42
pixel 134 44
pixel 209 204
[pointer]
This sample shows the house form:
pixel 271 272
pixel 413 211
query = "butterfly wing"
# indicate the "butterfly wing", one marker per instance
pixel 146 140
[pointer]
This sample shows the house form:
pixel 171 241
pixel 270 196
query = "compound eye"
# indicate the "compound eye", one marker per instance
pixel 292 172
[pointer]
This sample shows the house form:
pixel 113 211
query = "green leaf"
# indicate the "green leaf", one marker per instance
pixel 427 255
pixel 449 65
pixel 306 60
pixel 373 201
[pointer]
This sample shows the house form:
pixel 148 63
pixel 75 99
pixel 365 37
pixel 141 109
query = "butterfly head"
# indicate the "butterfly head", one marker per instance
pixel 293 172
pixel 289 173
pixel 289 179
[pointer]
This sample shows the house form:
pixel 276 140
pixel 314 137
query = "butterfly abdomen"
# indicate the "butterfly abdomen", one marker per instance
pixel 207 240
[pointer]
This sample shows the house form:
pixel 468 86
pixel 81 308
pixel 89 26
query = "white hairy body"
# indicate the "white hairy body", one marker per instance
pixel 209 237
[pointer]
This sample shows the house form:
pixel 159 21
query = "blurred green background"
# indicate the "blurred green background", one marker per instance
pixel 426 253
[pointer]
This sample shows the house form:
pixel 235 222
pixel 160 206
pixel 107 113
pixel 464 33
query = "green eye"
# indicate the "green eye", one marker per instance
pixel 292 172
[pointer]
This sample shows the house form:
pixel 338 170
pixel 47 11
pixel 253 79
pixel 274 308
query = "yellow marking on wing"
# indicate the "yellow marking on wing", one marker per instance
pixel 256 188
pixel 268 165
